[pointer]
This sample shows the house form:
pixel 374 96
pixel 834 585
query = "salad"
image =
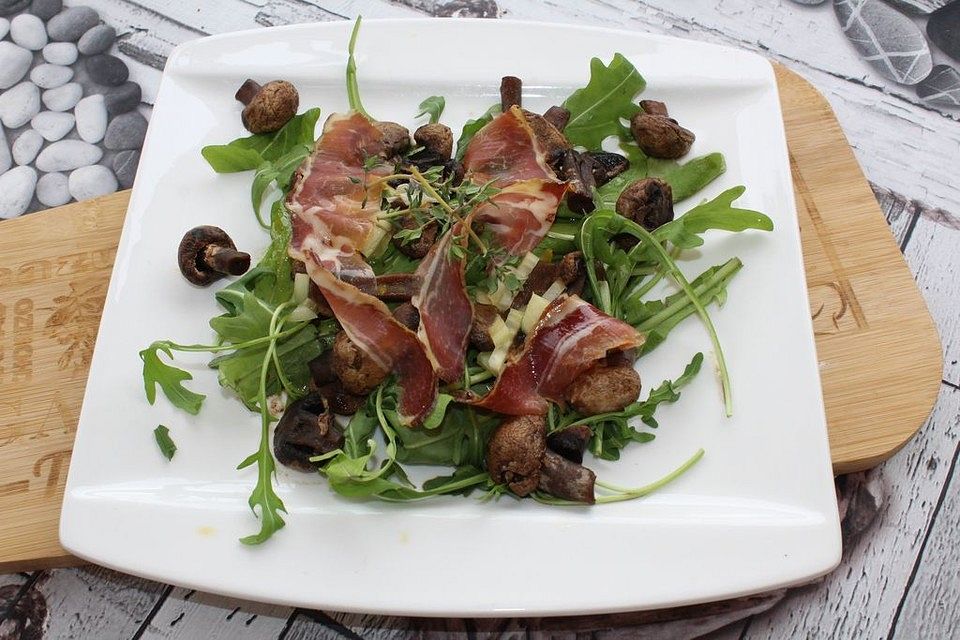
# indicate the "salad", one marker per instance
pixel 481 304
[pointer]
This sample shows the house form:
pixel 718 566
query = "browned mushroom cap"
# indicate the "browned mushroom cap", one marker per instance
pixel 603 388
pixel 654 107
pixel 570 442
pixel 565 479
pixel 419 247
pixel 568 270
pixel 206 254
pixel 606 166
pixel 397 287
pixel 395 138
pixel 267 108
pixel 576 170
pixel 511 88
pixel 339 400
pixel 515 453
pixel 435 138
pixel 648 202
pixel 305 430
pixel 552 142
pixel 407 315
pixel 356 370
pixel 660 136
pixel 321 368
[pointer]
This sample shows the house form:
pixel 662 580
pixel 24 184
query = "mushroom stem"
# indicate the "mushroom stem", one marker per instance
pixel 511 88
pixel 568 480
pixel 226 260
pixel 557 116
pixel 247 91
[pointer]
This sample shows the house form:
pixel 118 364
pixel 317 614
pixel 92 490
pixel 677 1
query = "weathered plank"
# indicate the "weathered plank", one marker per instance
pixel 931 605
pixel 93 602
pixel 932 255
pixel 279 12
pixel 860 598
pixel 187 614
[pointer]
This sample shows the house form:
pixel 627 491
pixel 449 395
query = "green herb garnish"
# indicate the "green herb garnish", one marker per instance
pixel 165 442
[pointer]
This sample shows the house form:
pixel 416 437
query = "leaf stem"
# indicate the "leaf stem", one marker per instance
pixel 624 493
pixel 353 89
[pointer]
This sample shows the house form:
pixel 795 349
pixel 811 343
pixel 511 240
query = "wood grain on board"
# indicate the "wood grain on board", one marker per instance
pixel 878 348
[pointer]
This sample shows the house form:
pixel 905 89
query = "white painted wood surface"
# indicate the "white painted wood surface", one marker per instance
pixel 899 580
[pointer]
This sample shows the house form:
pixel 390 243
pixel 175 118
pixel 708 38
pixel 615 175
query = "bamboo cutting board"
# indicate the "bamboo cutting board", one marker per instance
pixel 879 353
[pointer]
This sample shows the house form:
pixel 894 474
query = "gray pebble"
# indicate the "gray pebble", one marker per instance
pixel 97 40
pixel 943 28
pixel 809 2
pixel 27 30
pixel 91 116
pixel 9 7
pixel 63 98
pixel 46 9
pixel 106 69
pixel 14 64
pixel 126 131
pixel 16 191
pixel 72 23
pixel 125 167
pixel 51 76
pixel 5 158
pixel 19 104
pixel 66 155
pixel 60 53
pixel 887 39
pixel 4 28
pixel 941 87
pixel 27 146
pixel 91 182
pixel 123 98
pixel 52 125
pixel 53 189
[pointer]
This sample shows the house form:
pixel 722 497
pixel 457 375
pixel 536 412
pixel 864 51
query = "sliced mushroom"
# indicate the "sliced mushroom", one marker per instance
pixel 511 88
pixel 568 270
pixel 557 116
pixel 435 138
pixel 305 430
pixel 515 453
pixel 576 170
pixel 565 479
pixel 648 202
pixel 603 388
pixel 339 400
pixel 394 138
pixel 570 442
pixel 407 315
pixel 206 254
pixel 267 108
pixel 483 317
pixel 356 370
pixel 606 166
pixel 419 247
pixel 397 287
pixel 660 136
pixel 654 107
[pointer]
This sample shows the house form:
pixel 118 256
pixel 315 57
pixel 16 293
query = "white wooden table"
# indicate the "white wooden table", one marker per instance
pixel 900 580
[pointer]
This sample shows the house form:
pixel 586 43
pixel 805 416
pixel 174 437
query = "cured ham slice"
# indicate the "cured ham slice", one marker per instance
pixel 445 309
pixel 570 337
pixel 332 211
pixel 370 325
pixel 506 154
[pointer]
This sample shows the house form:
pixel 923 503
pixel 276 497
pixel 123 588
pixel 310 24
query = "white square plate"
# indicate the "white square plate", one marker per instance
pixel 758 512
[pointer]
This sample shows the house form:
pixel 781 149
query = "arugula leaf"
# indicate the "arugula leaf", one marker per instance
pixel 471 127
pixel 353 89
pixel 245 154
pixel 719 213
pixel 170 378
pixel 165 442
pixel 432 106
pixel 279 171
pixel 596 110
pixel 690 177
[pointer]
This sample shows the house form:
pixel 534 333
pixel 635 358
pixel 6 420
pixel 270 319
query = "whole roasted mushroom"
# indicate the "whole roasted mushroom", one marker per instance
pixel 603 388
pixel 206 254
pixel 660 136
pixel 267 108
pixel 394 138
pixel 654 107
pixel 305 430
pixel 648 202
pixel 436 139
pixel 606 166
pixel 515 453
pixel 358 373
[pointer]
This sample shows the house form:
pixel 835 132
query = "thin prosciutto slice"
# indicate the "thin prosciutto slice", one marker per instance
pixel 370 325
pixel 570 337
pixel 506 154
pixel 445 309
pixel 332 210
